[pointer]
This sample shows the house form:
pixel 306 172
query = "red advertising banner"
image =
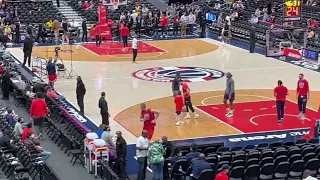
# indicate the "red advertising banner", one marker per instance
pixel 102 14
pixel 292 53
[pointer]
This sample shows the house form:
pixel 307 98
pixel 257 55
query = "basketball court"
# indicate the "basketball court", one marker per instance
pixel 203 64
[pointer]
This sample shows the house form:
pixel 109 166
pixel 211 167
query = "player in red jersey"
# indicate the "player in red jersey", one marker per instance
pixel 280 92
pixel 302 95
pixel 178 100
pixel 187 100
pixel 149 118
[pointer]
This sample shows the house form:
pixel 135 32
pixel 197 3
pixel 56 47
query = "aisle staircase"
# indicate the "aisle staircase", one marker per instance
pixel 69 13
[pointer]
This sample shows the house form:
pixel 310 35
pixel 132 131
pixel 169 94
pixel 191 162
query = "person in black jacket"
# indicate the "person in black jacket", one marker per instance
pixel 27 50
pixel 104 111
pixel 17 32
pixel 84 31
pixel 40 33
pixel 121 151
pixel 80 91
pixel 6 84
pixel 252 40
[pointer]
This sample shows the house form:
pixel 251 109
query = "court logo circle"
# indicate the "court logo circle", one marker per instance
pixel 188 74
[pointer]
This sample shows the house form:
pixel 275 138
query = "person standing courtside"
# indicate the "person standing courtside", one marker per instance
pixel 80 91
pixel 98 37
pixel 229 95
pixel 104 111
pixel 84 31
pixel 65 31
pixel 27 50
pixel 134 48
pixel 302 95
pixel 280 92
pixel 121 150
pixel 142 147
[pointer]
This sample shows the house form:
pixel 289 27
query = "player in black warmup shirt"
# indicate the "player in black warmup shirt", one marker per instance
pixel 65 35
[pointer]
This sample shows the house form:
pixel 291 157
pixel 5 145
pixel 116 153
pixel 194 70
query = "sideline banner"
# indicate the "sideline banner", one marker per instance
pixel 292 54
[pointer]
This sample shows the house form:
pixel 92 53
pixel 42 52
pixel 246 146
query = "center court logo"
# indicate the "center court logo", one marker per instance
pixel 188 74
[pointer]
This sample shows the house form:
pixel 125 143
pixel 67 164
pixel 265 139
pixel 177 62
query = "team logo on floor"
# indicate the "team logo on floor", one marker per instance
pixel 188 74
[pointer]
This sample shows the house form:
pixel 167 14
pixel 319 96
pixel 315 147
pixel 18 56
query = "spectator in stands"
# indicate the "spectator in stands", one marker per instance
pixel 156 22
pixel 167 146
pixel 121 150
pixel 39 87
pixel 223 175
pixel 26 131
pixel 142 153
pixel 122 17
pixel 258 12
pixel 145 11
pixel 177 156
pixel 184 22
pixel 234 16
pixel 139 22
pixel 55 29
pixel 107 137
pixel 220 24
pixel 176 24
pixel 6 84
pixel 84 31
pixel 198 165
pixel 32 146
pixel 307 175
pixel 85 5
pixel 266 17
pixel 164 24
pixel 8 112
pixel 38 113
pixel 134 17
pixel 193 154
pixel 100 130
pixel 50 93
pixel 41 31
pixel 191 22
pixel 10 118
pixel 49 24
pixel 8 32
pixel 254 19
pixel 81 92
pixel 310 34
pixel 19 126
pixel 217 6
pixel 156 160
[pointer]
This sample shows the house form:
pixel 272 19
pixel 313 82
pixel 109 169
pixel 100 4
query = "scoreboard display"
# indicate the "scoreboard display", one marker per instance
pixel 292 10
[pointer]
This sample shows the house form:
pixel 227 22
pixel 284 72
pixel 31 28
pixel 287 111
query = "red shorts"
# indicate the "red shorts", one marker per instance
pixel 52 77
pixel 150 131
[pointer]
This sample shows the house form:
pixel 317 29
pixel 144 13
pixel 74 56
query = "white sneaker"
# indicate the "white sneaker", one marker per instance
pixel 179 123
pixel 303 117
pixel 196 115
pixel 230 115
pixel 300 114
pixel 187 116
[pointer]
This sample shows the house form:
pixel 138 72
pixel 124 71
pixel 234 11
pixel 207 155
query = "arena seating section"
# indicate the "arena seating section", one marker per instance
pixel 240 28
pixel 35 12
pixel 280 160
pixel 91 14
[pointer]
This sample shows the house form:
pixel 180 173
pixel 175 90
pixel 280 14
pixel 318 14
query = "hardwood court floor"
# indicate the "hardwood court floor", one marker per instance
pixel 170 49
pixel 205 125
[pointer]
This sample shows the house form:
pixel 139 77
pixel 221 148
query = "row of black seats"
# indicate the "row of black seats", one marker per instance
pixel 264 161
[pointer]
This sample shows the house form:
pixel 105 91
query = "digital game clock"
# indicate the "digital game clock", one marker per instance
pixel 292 10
